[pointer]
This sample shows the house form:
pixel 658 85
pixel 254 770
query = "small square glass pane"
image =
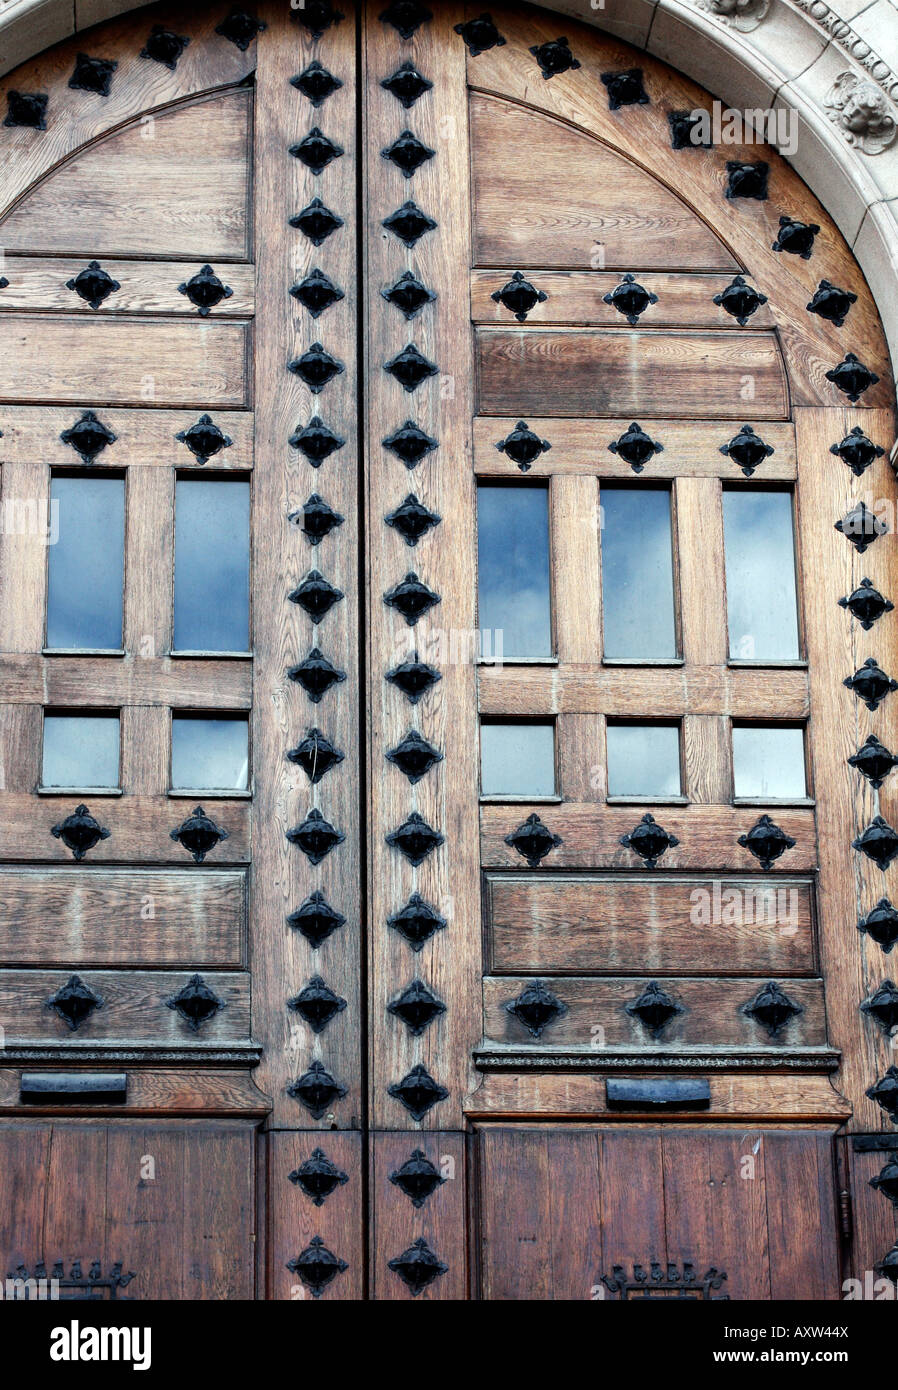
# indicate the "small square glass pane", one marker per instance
pixel 762 607
pixel 209 754
pixel 769 763
pixel 637 574
pixel 81 750
pixel 211 565
pixel 513 571
pixel 517 760
pixel 86 563
pixel 644 760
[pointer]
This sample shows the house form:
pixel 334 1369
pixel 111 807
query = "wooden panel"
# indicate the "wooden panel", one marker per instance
pixel 107 360
pixel 144 437
pixel 187 176
pixel 701 571
pixel 97 682
pixel 591 836
pixel 161 1090
pixel 597 1017
pixel 691 448
pixel 643 1194
pixel 27 530
pixel 145 287
pixel 83 917
pixel 559 218
pixel 294 1220
pixel 82 1191
pixel 139 828
pixel 576 297
pixel 576 570
pixel 874 1218
pixel 610 372
pixel 589 926
pixel 670 693
pixel 581 1096
pixel 441 1220
pixel 133 1012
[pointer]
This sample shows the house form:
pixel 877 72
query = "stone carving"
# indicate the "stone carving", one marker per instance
pixel 861 112
pixel 743 15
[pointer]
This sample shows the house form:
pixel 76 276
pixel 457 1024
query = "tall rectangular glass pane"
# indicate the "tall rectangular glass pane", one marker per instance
pixel 211 565
pixel 637 574
pixel 644 760
pixel 86 564
pixel 769 762
pixel 513 570
pixel 762 608
pixel 81 750
pixel 209 754
pixel 517 760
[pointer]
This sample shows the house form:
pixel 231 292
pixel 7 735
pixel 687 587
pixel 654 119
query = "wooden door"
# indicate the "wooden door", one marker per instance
pixel 430 669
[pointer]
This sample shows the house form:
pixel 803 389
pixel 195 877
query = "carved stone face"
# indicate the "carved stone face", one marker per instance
pixel 865 110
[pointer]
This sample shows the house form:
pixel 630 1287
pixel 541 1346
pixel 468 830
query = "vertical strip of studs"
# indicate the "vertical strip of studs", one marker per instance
pixel 306 889
pixel 424 825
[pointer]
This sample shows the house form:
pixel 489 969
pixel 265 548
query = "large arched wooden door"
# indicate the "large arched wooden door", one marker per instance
pixel 447 566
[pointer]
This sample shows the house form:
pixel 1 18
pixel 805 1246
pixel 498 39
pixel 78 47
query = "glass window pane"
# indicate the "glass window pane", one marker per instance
pixel 637 574
pixel 760 574
pixel 86 563
pixel 211 565
pixel 513 558
pixel 517 760
pixel 644 760
pixel 80 750
pixel 769 763
pixel 209 754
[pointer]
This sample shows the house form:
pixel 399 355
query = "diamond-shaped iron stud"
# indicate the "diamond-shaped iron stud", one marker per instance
pixel 533 840
pixel 649 840
pixel 74 1002
pixel 199 834
pixel 766 841
pixel 536 1007
pixel 772 1008
pixel 196 1003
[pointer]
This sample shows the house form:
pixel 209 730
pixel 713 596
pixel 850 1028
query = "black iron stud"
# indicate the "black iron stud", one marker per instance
pixel 881 925
pixel 418 1092
pixel 240 28
pixel 317 1177
pixel 747 450
pixel 866 604
pixel 316 596
pixel 874 761
pixel 480 35
pixel 316 150
pixel 747 179
pixel 26 109
pixel 198 834
pixel 883 1005
pixel 418 1266
pixel 79 832
pixel 316 292
pixel 316 221
pixel 766 841
pixel 649 840
pixel 412 598
pixel 317 1004
pixel 630 298
pixel 317 1266
pixel 870 683
pixel 205 290
pixel 88 437
pixel 415 839
pixel 317 441
pixel 418 1178
pixel 888 1265
pixel 316 920
pixel 687 129
pixel 852 377
pixel 857 451
pixel 317 16
pixel 316 1089
pixel 740 300
pixel 885 1093
pixel 796 237
pixel 316 675
pixel 93 285
pixel 536 1007
pixel 409 223
pixel 886 1181
pixel 406 17
pixel 74 1002
pixel 518 296
pixel 831 303
pixel 533 840
pixel 196 1003
pixel 410 368
pixel 410 443
pixel 635 447
pixel 417 922
pixel 417 1007
pixel 408 153
pixel 772 1008
pixel 316 755
pixel 315 836
pixel 879 842
pixel 316 368
pixel 522 446
pixel 164 46
pixel 92 74
pixel 861 527
pixel 554 57
pixel 414 678
pixel 625 88
pixel 414 756
pixel 408 294
pixel 654 1008
pixel 412 520
pixel 204 439
pixel 316 83
pixel 407 84
pixel 316 519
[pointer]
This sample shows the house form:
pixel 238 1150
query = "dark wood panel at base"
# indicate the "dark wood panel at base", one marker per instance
pixel 439 1219
pixel 295 1220
pixel 563 1207
pixel 84 1191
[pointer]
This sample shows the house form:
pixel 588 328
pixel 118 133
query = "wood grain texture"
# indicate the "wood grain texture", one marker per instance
pixel 691 448
pixel 673 1195
pixel 139 828
pixel 168 362
pixel 38 283
pixel 874 1219
pixel 139 89
pixel 575 297
pixel 83 1191
pixel 579 1096
pixel 143 437
pixel 580 372
pixel 441 1220
pixel 124 917
pixel 107 681
pixel 576 925
pixel 561 218
pixel 444 559
pixel 157 1090
pixel 294 1220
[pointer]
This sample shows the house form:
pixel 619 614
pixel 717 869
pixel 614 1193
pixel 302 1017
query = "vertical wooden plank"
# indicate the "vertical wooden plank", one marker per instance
pixel 699 543
pixel 849 883
pixel 707 759
pixel 24 1151
pixel 574 1232
pixel 447 797
pixel 146 1193
pixel 801 1216
pixel 874 1218
pixel 149 557
pixel 632 1196
pixel 441 1220
pixel 580 757
pixel 514 1203
pixel 26 530
pixel 737 1203
pixel 294 1220
pixel 576 573
pixel 145 734
pixel 20 747
pixel 76 1196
